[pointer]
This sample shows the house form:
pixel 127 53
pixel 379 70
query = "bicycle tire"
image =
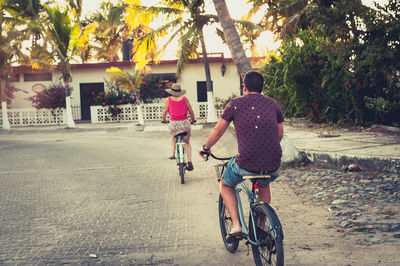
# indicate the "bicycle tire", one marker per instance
pixel 225 223
pixel 270 250
pixel 182 172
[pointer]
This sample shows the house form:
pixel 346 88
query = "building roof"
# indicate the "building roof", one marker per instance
pixel 120 64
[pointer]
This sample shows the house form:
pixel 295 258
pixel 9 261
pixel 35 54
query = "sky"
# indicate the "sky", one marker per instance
pixel 237 9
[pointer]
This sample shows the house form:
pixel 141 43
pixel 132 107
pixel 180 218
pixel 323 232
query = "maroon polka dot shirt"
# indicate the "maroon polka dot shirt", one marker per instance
pixel 256 119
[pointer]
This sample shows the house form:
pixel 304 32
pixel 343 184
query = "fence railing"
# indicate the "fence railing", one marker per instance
pixel 33 117
pixel 129 112
pixel 99 114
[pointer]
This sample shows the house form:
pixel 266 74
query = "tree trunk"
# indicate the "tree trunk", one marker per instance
pixel 211 112
pixel 240 59
pixel 3 101
pixel 139 108
pixel 232 38
pixel 70 119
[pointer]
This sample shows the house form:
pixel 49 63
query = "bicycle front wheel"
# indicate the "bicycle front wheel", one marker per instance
pixel 182 172
pixel 269 251
pixel 225 223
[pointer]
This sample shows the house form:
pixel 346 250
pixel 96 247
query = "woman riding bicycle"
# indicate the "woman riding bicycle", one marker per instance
pixel 178 106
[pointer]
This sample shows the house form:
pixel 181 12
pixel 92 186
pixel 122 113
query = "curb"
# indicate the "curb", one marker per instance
pixel 58 130
pixel 341 161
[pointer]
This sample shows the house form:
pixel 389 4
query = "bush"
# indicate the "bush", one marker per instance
pixel 356 81
pixel 51 98
pixel 330 82
pixel 220 103
pixel 152 90
pixel 113 96
pixel 308 79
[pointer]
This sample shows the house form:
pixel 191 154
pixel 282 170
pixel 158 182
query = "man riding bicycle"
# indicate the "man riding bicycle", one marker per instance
pixel 258 126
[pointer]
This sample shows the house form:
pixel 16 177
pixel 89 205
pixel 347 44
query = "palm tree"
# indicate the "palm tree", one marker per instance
pixel 12 15
pixel 232 38
pixel 112 31
pixel 186 19
pixel 63 30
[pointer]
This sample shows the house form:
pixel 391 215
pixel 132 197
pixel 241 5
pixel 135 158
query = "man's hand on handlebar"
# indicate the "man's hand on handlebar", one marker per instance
pixel 164 121
pixel 193 122
pixel 204 153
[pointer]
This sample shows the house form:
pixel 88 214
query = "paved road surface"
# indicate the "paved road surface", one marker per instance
pixel 115 195
pixel 65 196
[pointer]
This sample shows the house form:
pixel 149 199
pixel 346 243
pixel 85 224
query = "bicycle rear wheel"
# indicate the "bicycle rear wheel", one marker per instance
pixel 270 249
pixel 225 223
pixel 182 172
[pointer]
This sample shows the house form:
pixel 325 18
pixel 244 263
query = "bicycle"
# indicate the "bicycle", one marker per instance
pixel 181 159
pixel 263 232
pixel 180 155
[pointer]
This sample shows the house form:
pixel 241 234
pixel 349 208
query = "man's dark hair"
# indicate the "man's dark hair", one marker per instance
pixel 254 81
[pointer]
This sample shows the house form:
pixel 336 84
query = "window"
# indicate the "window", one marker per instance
pixel 202 91
pixel 39 76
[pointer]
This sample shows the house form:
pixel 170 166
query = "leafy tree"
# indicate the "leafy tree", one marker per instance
pixel 112 31
pixel 63 30
pixel 309 79
pixel 186 20
pixel 11 38
pixel 376 65
pixel 337 19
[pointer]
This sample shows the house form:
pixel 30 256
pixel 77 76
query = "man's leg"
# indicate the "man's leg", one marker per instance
pixel 264 194
pixel 230 201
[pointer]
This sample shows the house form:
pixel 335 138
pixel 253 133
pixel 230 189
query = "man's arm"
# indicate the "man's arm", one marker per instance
pixel 280 131
pixel 216 134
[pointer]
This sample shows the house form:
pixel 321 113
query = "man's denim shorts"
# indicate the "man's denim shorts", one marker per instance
pixel 233 175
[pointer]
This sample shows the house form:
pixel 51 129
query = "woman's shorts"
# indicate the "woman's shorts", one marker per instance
pixel 180 126
pixel 233 175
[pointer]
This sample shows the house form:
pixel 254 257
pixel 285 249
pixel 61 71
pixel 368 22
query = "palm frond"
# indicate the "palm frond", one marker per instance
pixel 121 77
pixel 146 46
pixel 248 25
pixel 142 15
pixel 189 44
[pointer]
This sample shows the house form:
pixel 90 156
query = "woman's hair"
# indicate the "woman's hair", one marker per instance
pixel 254 81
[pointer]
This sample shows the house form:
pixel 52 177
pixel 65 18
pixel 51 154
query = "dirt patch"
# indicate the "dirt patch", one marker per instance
pixel 312 236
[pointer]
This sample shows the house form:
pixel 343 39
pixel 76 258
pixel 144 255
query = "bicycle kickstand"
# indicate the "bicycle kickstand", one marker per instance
pixel 248 249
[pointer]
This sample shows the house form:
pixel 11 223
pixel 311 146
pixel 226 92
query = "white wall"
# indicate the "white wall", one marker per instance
pixel 224 86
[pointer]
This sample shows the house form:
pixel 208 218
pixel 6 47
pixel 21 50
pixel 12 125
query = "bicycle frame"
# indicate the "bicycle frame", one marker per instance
pixel 276 230
pixel 180 151
pixel 253 200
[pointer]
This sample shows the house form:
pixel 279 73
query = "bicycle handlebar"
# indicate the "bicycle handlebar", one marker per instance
pixel 215 157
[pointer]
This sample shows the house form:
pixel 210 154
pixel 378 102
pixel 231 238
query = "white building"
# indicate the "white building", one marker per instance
pixel 90 77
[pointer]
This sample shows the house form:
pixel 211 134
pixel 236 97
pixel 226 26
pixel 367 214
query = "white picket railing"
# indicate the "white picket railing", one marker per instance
pixel 151 112
pixel 99 114
pixel 34 117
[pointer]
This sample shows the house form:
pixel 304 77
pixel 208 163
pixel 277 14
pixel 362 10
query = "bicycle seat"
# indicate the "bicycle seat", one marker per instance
pixel 256 176
pixel 181 134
